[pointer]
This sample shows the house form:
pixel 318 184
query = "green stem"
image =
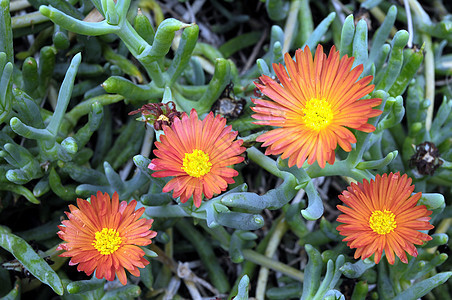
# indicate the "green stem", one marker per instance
pixel 83 108
pixel 248 265
pixel 429 78
pixel 263 260
pixel 28 20
pixel 291 24
pixel 155 73
pixel 29 131
pixel 219 233
pixel 409 23
pixel 163 278
pixel 148 142
pixel 422 17
pixel 168 211
pixel 306 26
pixel 419 12
pixel 273 244
pixel 264 161
pixel 6 40
pixel 443 227
pixel 340 168
pixel 168 250
pixel 21 190
pixel 19 5
pixel 205 251
pixel 134 42
pixel 252 137
pixel 136 45
pixel 64 95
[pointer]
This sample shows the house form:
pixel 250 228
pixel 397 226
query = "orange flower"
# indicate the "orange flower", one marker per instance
pixel 104 235
pixel 314 102
pixel 198 154
pixel 382 215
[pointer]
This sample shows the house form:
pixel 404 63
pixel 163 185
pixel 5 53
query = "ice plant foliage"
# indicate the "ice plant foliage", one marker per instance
pixel 103 235
pixel 198 154
pixel 383 216
pixel 313 106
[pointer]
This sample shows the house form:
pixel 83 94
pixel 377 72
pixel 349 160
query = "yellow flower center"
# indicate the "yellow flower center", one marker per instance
pixel 382 222
pixel 317 114
pixel 107 241
pixel 163 118
pixel 197 163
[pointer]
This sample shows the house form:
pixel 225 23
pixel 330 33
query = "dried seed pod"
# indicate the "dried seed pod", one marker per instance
pixel 158 114
pixel 426 159
pixel 228 105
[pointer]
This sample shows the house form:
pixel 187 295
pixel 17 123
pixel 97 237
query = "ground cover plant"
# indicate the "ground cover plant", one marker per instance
pixel 225 149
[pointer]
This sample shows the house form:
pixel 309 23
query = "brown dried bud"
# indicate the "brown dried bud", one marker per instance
pixel 158 114
pixel 228 105
pixel 426 159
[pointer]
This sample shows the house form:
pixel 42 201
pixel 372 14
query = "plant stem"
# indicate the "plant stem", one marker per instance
pixel 28 20
pixel 19 5
pixel 248 265
pixel 291 24
pixel 136 45
pixel 134 42
pixel 443 227
pixel 410 23
pixel 429 78
pixel 273 244
pixel 264 161
pixel 6 40
pixel 219 233
pixel 263 260
pixel 205 251
pixel 148 142
pixel 168 211
pixel 306 26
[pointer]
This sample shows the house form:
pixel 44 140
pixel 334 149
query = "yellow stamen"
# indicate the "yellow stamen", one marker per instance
pixel 163 118
pixel 107 241
pixel 197 163
pixel 382 222
pixel 318 114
